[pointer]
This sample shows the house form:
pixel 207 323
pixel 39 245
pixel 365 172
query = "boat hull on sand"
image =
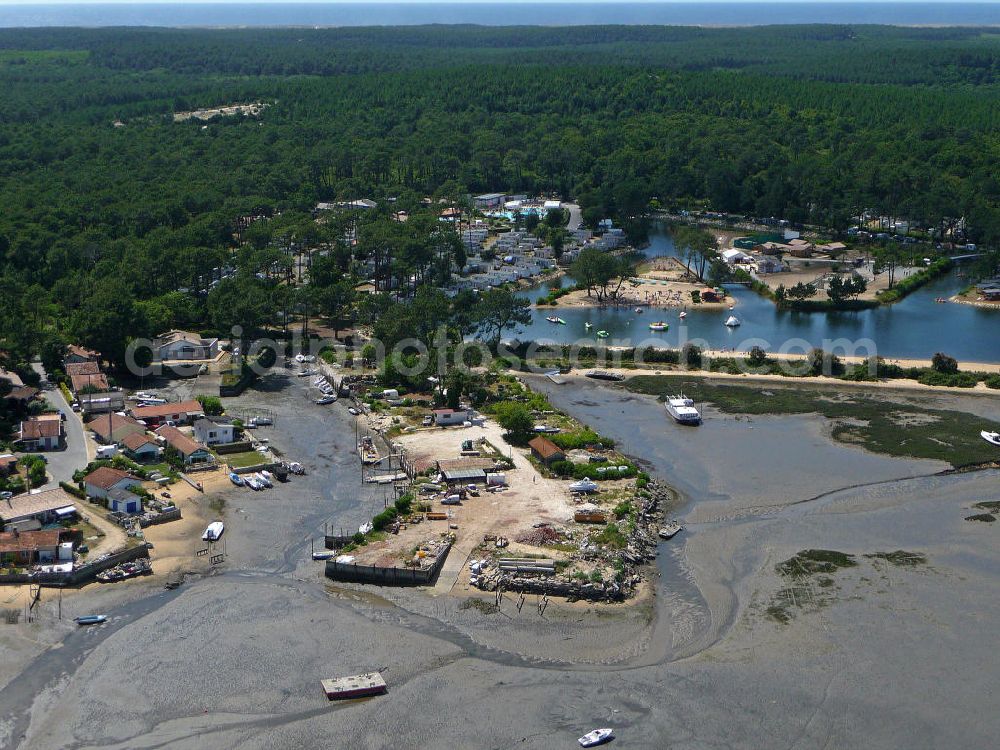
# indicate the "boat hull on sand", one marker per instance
pixel 597 737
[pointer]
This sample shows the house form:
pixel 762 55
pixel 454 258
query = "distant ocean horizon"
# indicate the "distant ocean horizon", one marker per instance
pixel 516 13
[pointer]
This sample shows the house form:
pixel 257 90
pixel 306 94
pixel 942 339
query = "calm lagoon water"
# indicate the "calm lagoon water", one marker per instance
pixel 916 327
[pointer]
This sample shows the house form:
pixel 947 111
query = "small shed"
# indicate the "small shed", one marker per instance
pixel 546 451
pixel 120 500
pixel 446 417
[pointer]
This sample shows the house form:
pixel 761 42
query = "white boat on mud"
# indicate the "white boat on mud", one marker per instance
pixel 990 437
pixel 214 531
pixel 365 528
pixel 584 485
pixel 670 530
pixel 683 410
pixel 597 737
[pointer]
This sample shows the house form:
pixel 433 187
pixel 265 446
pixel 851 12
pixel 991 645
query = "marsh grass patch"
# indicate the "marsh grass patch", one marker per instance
pixel 900 558
pixel 872 421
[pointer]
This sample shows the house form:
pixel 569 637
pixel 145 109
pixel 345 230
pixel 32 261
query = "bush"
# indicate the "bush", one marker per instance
pixel 384 519
pixel 211 405
pixel 562 468
pixel 516 421
pixel 622 509
pixel 403 504
pixel 692 355
pixel 654 355
pixel 917 280
pixel 611 536
pixel 958 379
pixel 992 381
pixel 944 364
pixel 569 441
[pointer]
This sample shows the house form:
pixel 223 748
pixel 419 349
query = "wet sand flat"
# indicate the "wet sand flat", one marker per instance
pixel 887 655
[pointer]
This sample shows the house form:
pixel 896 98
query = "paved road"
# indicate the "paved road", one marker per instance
pixel 575 215
pixel 63 463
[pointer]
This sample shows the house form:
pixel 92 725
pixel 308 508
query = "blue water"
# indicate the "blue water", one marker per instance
pixel 916 327
pixel 497 14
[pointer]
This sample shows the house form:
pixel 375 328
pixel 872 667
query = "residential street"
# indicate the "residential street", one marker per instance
pixel 63 463
pixel 575 216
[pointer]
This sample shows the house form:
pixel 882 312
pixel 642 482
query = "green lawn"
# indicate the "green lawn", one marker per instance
pixel 240 460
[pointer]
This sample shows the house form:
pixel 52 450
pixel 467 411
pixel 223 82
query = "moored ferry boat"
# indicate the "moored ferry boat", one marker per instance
pixel 683 410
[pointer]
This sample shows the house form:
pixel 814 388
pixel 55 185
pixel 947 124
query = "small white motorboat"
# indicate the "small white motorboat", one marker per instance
pixel 214 531
pixel 670 529
pixel 683 315
pixel 732 322
pixel 597 737
pixel 638 311
pixel 990 437
pixel 324 400
pixel 659 325
pixel 324 555
pixel 584 485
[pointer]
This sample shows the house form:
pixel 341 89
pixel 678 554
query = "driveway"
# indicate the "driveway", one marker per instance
pixel 575 215
pixel 75 456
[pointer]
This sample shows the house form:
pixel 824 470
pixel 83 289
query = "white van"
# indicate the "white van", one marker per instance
pixel 107 451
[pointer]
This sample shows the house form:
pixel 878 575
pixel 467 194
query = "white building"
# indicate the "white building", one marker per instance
pixel 185 346
pixel 209 432
pixel 447 417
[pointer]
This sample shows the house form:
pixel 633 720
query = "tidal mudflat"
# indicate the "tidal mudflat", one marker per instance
pixel 729 650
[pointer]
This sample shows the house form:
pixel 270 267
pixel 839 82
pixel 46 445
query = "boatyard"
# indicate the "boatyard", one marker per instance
pixel 479 501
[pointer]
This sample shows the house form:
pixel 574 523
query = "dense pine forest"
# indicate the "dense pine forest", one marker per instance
pixel 109 207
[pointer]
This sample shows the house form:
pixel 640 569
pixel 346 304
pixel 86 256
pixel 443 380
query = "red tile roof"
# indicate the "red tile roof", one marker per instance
pixel 34 429
pixel 22 393
pixel 82 368
pixel 136 440
pixel 106 477
pixel 544 447
pixel 99 425
pixel 98 382
pixel 80 351
pixel 177 439
pixel 28 541
pixel 160 411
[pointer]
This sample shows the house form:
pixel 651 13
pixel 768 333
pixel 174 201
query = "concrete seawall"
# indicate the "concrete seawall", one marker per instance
pixel 392 576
